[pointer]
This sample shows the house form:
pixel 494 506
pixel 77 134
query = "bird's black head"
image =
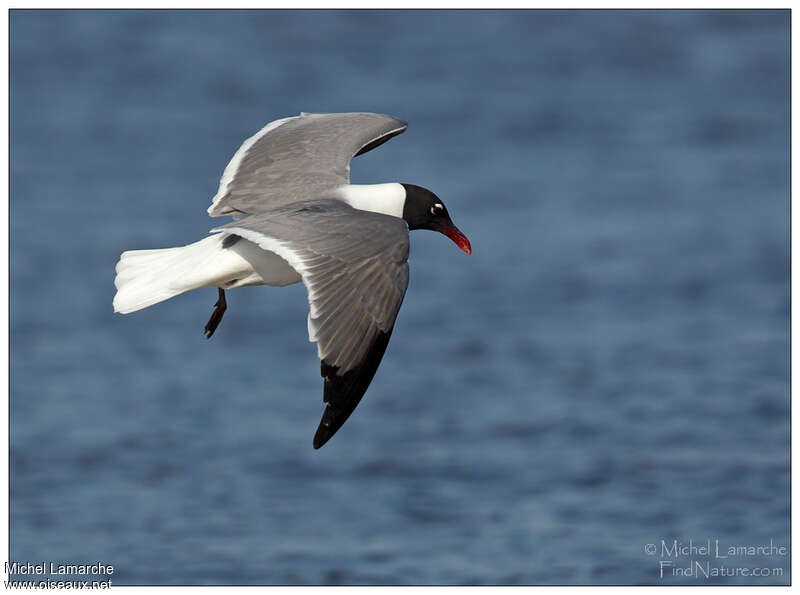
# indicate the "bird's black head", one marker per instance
pixel 424 210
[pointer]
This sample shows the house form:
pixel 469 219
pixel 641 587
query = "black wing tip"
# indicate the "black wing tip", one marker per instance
pixel 330 423
pixel 381 139
pixel 321 437
pixel 334 417
pixel 342 393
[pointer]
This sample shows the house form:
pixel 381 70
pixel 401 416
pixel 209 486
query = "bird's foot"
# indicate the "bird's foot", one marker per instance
pixel 216 315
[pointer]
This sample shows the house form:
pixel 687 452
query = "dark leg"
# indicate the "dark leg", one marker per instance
pixel 216 315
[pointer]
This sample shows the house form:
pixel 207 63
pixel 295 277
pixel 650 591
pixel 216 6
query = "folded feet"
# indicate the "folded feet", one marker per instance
pixel 216 315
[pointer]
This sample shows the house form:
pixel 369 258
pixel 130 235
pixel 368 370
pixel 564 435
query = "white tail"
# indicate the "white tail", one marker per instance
pixel 146 277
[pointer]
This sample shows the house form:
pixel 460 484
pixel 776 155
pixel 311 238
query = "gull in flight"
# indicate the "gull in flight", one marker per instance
pixel 296 217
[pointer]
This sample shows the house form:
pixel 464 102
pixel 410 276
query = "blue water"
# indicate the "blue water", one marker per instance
pixel 609 369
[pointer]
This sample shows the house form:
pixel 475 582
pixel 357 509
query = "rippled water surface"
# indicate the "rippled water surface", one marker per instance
pixel 608 370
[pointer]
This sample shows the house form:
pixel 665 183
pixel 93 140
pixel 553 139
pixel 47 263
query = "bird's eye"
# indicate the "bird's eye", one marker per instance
pixel 437 209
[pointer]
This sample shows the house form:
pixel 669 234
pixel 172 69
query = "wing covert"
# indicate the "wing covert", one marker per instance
pixel 298 158
pixel 354 265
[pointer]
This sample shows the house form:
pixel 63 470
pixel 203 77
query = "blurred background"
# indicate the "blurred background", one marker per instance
pixel 609 369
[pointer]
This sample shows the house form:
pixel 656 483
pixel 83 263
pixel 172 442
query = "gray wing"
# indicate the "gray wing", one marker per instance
pixel 298 158
pixel 355 267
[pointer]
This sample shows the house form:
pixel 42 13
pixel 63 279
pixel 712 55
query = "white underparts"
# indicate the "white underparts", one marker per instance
pixel 389 199
pixel 294 262
pixel 146 277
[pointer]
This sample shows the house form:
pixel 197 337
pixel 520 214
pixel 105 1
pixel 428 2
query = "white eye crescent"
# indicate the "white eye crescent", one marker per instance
pixel 437 209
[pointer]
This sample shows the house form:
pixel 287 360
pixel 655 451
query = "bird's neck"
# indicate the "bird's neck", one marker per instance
pixel 389 199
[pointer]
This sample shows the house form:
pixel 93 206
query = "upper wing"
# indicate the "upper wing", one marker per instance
pixel 298 158
pixel 355 267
